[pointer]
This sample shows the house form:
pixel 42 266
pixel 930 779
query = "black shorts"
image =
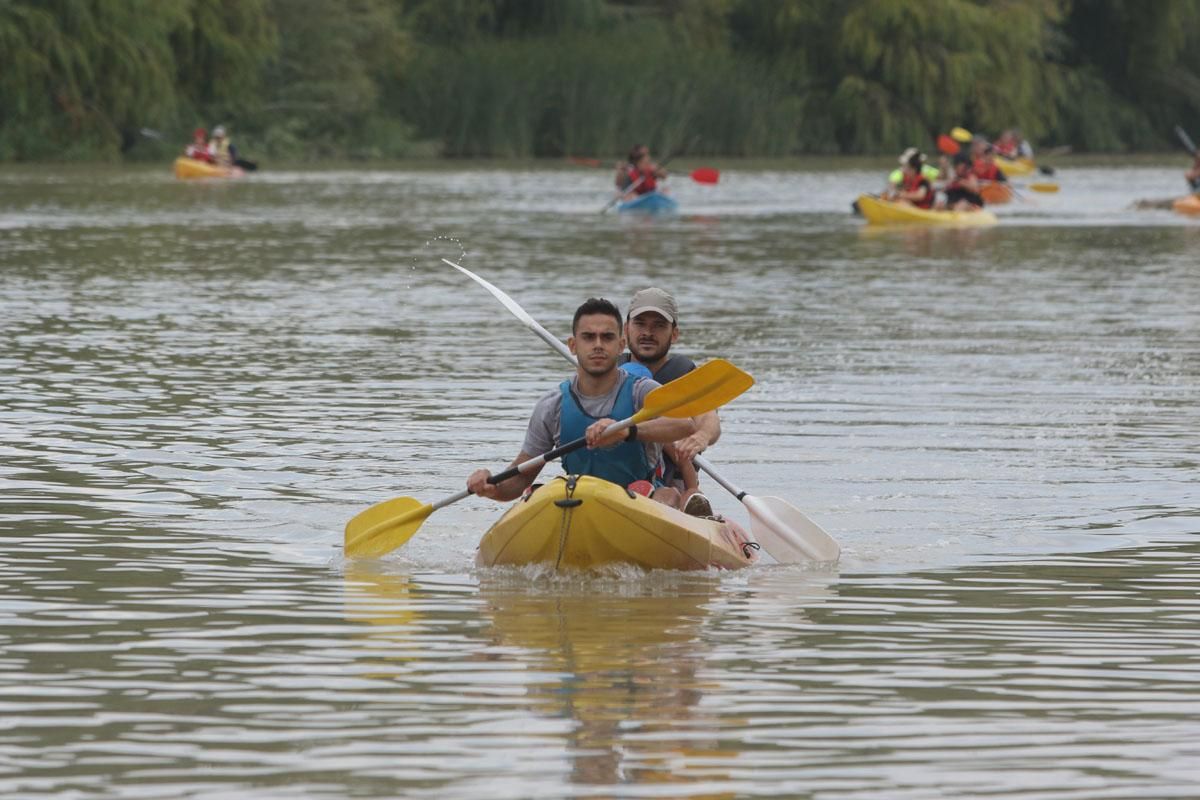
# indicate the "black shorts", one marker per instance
pixel 954 195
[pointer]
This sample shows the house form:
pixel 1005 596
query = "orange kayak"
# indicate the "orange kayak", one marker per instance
pixel 996 193
pixel 1188 204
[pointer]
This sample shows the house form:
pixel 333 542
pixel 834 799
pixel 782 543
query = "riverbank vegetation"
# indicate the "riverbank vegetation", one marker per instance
pixel 370 79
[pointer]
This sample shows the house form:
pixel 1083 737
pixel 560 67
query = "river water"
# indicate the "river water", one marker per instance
pixel 200 384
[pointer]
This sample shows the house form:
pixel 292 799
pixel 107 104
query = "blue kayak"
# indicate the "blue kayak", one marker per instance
pixel 650 203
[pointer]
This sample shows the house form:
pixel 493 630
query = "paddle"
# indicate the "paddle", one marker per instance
pixel 779 526
pixel 385 526
pixel 249 166
pixel 699 175
pixel 1185 139
pixel 1044 188
pixel 708 175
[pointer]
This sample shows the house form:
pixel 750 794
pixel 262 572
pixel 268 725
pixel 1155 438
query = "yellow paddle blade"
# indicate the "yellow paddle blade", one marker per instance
pixel 384 526
pixel 706 388
pixel 1048 188
pixel 960 135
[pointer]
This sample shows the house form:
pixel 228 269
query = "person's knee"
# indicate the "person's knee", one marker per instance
pixel 667 496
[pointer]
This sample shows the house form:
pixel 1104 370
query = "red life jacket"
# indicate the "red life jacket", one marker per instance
pixel 649 181
pixel 914 182
pixel 1006 150
pixel 198 152
pixel 987 172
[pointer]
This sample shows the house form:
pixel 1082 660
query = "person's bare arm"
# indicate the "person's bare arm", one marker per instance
pixel 505 490
pixel 662 431
pixel 708 431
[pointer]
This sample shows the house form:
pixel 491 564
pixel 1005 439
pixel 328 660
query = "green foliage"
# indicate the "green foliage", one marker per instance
pixel 82 74
pixel 598 93
pixel 308 79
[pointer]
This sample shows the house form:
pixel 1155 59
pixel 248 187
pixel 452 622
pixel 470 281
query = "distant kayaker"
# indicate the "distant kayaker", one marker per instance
pixel 1007 144
pixel 914 189
pixel 963 189
pixel 1193 175
pixel 985 167
pixel 198 149
pixel 651 327
pixel 220 149
pixel 639 175
pixel 584 406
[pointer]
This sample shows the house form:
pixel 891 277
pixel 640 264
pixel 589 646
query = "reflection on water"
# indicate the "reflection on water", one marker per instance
pixel 199 385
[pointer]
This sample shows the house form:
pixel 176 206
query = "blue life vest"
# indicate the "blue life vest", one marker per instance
pixel 676 366
pixel 622 464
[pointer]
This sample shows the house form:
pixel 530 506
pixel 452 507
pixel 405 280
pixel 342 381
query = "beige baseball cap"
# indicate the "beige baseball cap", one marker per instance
pixel 656 300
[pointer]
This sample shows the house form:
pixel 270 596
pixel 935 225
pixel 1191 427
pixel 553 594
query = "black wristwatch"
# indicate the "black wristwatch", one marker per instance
pixel 632 435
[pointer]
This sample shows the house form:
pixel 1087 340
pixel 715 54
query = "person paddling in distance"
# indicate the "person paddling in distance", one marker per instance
pixel 1192 176
pixel 896 176
pixel 198 149
pixel 220 150
pixel 914 189
pixel 985 167
pixel 639 175
pixel 585 406
pixel 651 328
pixel 963 189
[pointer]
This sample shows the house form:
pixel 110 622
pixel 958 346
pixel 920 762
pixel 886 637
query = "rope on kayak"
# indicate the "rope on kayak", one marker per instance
pixel 567 504
pixel 748 548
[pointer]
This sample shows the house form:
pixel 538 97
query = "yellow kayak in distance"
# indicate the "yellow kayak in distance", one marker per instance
pixel 885 212
pixel 190 168
pixel 580 522
pixel 1016 166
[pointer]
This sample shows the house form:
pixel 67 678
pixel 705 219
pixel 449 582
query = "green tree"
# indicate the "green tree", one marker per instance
pixel 81 76
pixel 323 87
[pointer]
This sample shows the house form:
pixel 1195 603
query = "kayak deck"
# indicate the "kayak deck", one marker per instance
pixel 884 212
pixel 581 522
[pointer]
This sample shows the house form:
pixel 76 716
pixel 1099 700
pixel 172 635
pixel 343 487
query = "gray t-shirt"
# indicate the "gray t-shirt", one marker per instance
pixel 545 429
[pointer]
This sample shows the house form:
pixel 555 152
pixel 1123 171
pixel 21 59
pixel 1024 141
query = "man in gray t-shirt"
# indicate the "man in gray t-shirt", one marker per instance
pixel 544 432
pixel 596 342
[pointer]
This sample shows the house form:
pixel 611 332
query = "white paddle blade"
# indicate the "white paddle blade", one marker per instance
pixel 787 534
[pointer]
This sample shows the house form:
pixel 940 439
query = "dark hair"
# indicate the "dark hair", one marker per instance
pixel 916 161
pixel 596 305
pixel 636 152
pixel 962 158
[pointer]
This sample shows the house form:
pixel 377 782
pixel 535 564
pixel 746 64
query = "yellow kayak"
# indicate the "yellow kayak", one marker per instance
pixel 193 168
pixel 1188 204
pixel 1016 166
pixel 582 522
pixel 885 212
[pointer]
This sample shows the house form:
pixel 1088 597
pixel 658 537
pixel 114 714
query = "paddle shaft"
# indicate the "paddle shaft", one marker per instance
pixel 1185 139
pixel 533 463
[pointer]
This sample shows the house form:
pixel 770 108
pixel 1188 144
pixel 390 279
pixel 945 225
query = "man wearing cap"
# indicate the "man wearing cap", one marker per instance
pixel 584 406
pixel 651 327
pixel 220 149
